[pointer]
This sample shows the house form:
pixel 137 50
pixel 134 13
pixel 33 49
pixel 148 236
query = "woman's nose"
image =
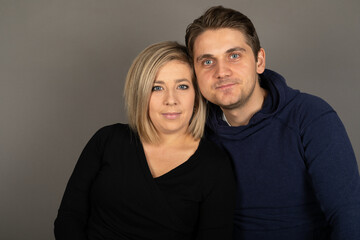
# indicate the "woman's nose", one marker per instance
pixel 170 98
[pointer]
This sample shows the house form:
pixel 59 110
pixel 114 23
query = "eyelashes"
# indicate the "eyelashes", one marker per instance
pixel 231 57
pixel 156 88
pixel 180 87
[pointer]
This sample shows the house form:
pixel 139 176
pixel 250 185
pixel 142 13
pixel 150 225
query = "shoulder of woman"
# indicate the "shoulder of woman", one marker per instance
pixel 214 155
pixel 108 132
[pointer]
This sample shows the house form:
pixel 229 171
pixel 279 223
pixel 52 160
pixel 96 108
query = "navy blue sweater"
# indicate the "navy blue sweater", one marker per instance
pixel 296 171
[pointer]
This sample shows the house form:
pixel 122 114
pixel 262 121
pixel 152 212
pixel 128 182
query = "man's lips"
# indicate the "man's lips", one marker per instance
pixel 224 86
pixel 171 115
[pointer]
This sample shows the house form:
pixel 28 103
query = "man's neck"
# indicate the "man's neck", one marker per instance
pixel 241 116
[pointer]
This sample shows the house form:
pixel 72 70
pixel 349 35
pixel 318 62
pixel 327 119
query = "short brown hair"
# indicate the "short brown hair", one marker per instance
pixel 220 17
pixel 139 84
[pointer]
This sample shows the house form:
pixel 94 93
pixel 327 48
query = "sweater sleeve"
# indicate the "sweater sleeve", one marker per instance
pixel 333 172
pixel 217 210
pixel 71 221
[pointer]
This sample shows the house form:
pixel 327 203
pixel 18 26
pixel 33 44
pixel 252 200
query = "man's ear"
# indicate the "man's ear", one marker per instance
pixel 260 64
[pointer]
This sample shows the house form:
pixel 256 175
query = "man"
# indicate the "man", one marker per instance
pixel 296 171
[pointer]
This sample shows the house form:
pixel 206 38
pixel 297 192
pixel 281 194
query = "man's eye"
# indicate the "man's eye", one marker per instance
pixel 183 87
pixel 156 88
pixel 208 62
pixel 234 55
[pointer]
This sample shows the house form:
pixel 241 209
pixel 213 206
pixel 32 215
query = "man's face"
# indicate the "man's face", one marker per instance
pixel 225 66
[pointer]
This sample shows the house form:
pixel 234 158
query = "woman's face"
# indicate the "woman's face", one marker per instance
pixel 172 99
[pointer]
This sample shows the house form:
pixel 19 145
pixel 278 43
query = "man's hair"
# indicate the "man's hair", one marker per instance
pixel 219 17
pixel 139 83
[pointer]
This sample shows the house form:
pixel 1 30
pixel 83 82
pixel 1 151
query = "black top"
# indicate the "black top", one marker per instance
pixel 112 195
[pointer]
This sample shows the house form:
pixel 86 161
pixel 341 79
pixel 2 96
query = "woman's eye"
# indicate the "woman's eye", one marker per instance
pixel 183 87
pixel 156 88
pixel 234 55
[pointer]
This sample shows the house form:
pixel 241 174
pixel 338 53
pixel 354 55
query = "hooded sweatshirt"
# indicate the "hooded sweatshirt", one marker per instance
pixel 297 176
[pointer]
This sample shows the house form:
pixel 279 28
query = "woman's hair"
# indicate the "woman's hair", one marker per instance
pixel 139 84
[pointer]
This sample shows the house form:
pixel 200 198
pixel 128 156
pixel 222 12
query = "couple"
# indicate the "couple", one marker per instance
pixel 275 163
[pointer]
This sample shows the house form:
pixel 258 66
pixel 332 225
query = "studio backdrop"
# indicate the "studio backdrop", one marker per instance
pixel 63 66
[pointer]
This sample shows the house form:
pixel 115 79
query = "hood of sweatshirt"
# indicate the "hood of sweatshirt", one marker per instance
pixel 279 95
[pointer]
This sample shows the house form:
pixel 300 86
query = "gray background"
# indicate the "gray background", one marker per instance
pixel 63 65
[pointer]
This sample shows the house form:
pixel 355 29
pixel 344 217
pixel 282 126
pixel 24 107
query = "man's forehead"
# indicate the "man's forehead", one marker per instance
pixel 200 56
pixel 219 41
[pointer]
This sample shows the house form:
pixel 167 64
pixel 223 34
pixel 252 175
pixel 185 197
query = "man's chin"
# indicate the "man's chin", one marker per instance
pixel 230 105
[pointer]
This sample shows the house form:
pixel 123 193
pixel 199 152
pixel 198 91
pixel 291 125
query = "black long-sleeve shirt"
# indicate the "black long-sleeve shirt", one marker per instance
pixel 112 195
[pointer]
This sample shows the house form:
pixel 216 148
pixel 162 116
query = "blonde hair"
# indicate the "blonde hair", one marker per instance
pixel 138 88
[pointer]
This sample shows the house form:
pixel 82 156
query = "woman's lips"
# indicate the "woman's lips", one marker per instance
pixel 172 115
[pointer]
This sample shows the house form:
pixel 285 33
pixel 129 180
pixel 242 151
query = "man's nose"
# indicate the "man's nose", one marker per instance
pixel 222 70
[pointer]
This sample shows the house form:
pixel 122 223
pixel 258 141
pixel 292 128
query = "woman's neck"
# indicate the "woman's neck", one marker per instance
pixel 169 153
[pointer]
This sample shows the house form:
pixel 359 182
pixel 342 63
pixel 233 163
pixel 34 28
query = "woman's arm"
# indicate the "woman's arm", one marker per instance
pixel 73 214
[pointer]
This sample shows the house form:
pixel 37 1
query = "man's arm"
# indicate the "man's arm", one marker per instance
pixel 333 170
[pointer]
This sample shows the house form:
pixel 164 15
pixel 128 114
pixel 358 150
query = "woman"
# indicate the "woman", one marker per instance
pixel 156 178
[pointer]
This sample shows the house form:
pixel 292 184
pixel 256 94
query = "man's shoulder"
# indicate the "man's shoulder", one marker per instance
pixel 304 109
pixel 292 98
pixel 311 104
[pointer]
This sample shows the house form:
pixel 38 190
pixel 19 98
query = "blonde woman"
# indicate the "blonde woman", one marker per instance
pixel 157 177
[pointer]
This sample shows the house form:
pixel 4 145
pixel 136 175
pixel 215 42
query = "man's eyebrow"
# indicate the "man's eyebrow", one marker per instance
pixel 199 58
pixel 240 49
pixel 234 49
